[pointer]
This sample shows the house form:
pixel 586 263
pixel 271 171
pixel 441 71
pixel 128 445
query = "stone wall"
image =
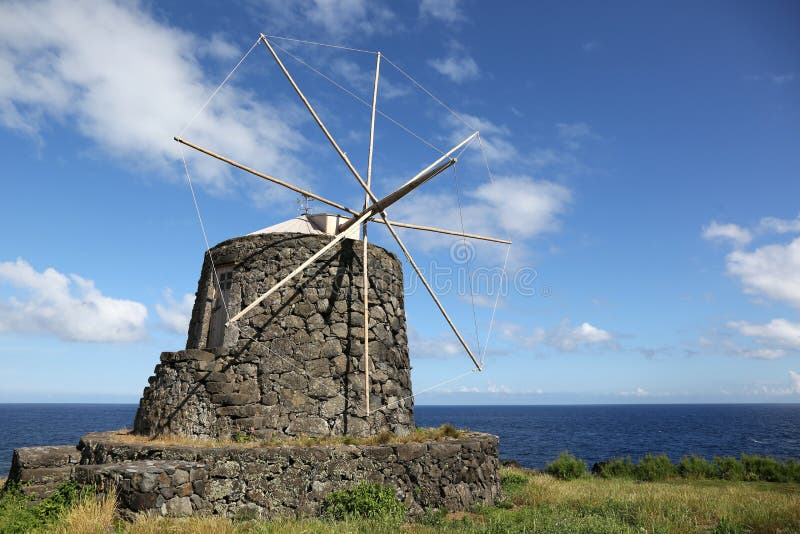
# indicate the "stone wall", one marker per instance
pixel 40 470
pixel 294 365
pixel 451 474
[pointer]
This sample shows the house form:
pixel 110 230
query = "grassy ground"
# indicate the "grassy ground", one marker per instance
pixel 533 503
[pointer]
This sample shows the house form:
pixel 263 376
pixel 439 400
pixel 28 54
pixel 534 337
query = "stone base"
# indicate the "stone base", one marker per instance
pixel 252 482
pixel 40 470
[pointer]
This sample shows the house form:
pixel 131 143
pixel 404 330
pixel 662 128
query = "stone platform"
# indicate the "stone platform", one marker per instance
pixel 268 481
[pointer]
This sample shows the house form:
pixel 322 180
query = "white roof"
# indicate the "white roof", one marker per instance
pixel 300 225
pixel 312 223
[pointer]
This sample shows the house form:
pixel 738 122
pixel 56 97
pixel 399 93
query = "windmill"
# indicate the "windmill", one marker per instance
pixel 374 210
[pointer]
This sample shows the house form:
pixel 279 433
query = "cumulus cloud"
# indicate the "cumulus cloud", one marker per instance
pixel 441 346
pixel 564 337
pixel 69 307
pixel 457 65
pixel 779 226
pixel 458 69
pixel 728 232
pixel 772 270
pixel 761 354
pixel 795 381
pixel 445 10
pixel 510 205
pixel 129 83
pixel 777 332
pixel 175 314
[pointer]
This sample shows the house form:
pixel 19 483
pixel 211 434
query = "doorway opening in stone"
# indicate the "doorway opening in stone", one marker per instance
pixel 216 326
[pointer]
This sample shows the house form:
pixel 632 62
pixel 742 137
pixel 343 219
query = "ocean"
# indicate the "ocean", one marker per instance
pixel 531 435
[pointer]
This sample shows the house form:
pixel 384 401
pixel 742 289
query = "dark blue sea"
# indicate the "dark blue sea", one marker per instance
pixel 531 435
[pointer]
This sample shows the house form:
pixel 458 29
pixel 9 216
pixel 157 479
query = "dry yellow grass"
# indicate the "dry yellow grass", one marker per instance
pixel 92 515
pixel 145 524
pixel 421 434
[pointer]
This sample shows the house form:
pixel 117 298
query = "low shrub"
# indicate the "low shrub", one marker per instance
pixel 651 468
pixel 366 500
pixel 17 514
pixel 615 468
pixel 762 468
pixel 728 468
pixel 696 467
pixel 511 478
pixel 566 467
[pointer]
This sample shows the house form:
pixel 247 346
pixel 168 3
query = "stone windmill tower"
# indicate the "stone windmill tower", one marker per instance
pixel 299 328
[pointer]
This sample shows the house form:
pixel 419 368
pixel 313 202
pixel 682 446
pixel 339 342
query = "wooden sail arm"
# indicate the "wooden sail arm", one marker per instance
pixel 272 179
pixel 441 231
pixel 371 195
pixel 391 198
pixel 327 201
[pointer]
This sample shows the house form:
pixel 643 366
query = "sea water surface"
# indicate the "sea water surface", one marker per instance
pixel 531 435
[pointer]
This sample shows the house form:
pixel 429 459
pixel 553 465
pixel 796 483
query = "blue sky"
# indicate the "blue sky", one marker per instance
pixel 644 160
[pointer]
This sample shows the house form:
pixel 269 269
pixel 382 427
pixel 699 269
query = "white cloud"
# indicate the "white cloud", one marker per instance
pixel 638 392
pixel 772 270
pixel 779 226
pixel 762 354
pixel 498 388
pixel 777 332
pixel 333 18
pixel 129 83
pixel 175 315
pixel 458 69
pixel 445 10
pixel 458 65
pixel 731 232
pixel 220 48
pixel 68 307
pixel 510 205
pixel 441 346
pixel 795 380
pixel 564 337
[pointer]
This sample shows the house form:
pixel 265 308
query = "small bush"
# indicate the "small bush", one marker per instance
pixel 449 431
pixel 764 468
pixel 729 468
pixel 365 500
pixel 18 515
pixel 696 467
pixel 615 468
pixel 651 468
pixel 566 467
pixel 512 478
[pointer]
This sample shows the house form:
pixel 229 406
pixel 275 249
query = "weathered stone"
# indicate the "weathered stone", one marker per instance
pixel 452 474
pixel 179 507
pixel 309 329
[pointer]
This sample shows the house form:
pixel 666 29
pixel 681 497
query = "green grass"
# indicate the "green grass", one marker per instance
pixel 532 502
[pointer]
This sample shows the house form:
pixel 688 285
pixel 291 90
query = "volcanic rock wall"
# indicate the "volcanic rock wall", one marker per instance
pixel 294 365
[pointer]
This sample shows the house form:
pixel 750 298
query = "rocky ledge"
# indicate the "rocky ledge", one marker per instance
pixel 269 481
